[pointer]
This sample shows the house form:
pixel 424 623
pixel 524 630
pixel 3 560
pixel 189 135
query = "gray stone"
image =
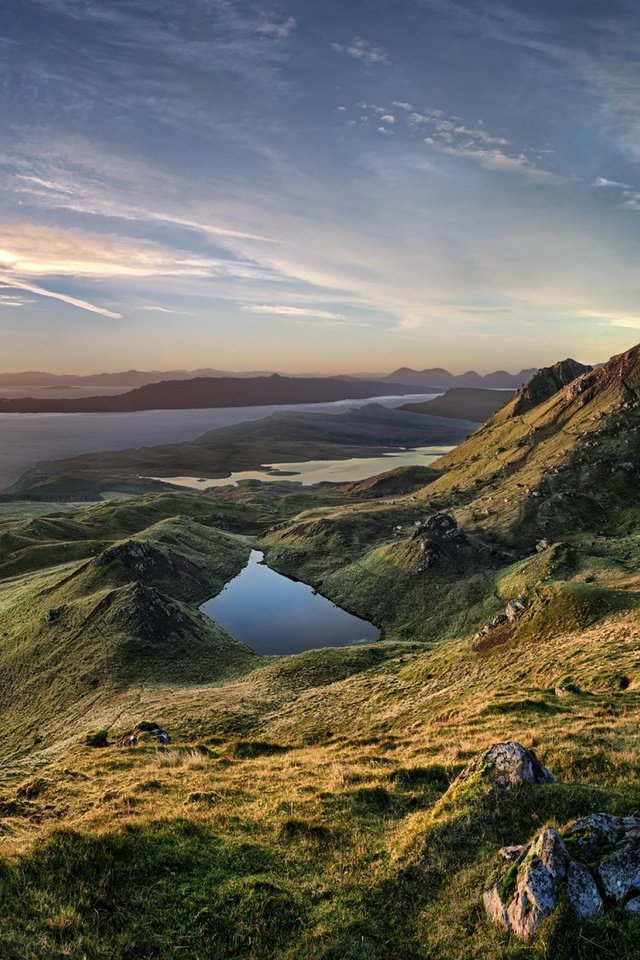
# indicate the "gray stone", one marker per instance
pixel 538 885
pixel 506 764
pixel 582 891
pixel 620 870
pixel 602 848
pixel 495 908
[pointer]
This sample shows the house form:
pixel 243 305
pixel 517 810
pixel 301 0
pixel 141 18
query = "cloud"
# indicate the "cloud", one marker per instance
pixel 8 300
pixel 603 182
pixel 31 250
pixel 632 323
pixel 403 105
pixel 615 319
pixel 13 283
pixel 388 118
pixel 280 30
pixel 284 311
pixel 306 315
pixel 152 309
pixel 493 159
pixel 363 51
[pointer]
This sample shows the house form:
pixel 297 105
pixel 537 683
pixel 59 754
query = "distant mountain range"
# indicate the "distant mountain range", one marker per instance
pixel 209 392
pixel 438 377
pixel 128 379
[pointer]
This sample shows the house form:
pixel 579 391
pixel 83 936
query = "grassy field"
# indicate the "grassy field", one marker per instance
pixel 306 806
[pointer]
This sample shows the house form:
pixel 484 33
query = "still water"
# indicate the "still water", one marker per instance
pixel 275 615
pixel 307 472
pixel 26 438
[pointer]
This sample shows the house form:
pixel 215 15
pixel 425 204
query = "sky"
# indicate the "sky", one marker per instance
pixel 306 186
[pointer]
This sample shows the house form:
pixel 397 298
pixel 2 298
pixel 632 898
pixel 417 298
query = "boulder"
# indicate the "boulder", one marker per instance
pixel 594 863
pixel 506 764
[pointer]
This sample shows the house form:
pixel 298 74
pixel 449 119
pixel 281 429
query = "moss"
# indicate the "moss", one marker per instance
pixel 508 884
pixel 98 738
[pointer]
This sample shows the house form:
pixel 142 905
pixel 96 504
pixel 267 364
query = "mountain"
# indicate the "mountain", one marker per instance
pixel 465 403
pixel 436 378
pixel 205 392
pixel 366 802
pixel 127 378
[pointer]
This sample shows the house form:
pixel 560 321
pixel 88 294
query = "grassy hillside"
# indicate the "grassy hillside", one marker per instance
pixel 306 806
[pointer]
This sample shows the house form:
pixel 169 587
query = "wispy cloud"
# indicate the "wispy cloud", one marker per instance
pixel 604 183
pixel 364 51
pixel 309 315
pixel 13 283
pixel 284 311
pixel 8 300
pixel 280 29
pixel 494 159
pixel 32 250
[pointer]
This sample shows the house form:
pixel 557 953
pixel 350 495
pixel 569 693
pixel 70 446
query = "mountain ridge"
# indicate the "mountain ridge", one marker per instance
pixel 209 392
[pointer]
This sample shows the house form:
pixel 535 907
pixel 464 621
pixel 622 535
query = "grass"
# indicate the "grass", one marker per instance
pixel 306 806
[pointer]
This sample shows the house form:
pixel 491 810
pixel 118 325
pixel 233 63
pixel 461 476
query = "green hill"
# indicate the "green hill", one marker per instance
pixel 306 806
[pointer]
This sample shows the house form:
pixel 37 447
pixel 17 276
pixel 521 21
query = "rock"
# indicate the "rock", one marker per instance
pixel 515 608
pixel 53 614
pixel 566 689
pixel 131 554
pixel 542 545
pixel 620 871
pixel 582 891
pixel 513 854
pixel 506 764
pixel 594 863
pixel 495 908
pixel 128 740
pixel 538 884
pixel 153 730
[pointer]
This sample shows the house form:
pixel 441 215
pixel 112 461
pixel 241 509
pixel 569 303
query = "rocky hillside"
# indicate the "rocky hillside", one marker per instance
pixel 466 789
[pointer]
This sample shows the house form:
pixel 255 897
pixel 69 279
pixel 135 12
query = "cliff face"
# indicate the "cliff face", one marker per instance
pixel 546 382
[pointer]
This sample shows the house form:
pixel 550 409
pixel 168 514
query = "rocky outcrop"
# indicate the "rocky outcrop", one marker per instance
pixel 139 557
pixel 437 536
pixel 512 612
pixel 546 382
pixel 506 764
pixel 594 863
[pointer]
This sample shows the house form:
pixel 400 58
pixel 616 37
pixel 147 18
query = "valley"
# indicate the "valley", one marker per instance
pixel 307 804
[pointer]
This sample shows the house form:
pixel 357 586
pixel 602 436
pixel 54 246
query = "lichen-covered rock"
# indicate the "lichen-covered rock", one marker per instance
pixel 506 764
pixel 594 863
pixel 538 884
pixel 619 871
pixel 582 891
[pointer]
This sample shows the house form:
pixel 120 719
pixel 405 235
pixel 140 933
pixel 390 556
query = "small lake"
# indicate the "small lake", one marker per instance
pixel 275 615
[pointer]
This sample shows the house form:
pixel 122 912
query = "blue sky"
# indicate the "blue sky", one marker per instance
pixel 318 186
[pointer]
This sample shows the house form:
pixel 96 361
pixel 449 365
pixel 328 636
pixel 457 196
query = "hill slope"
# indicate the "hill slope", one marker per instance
pixel 464 403
pixel 308 805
